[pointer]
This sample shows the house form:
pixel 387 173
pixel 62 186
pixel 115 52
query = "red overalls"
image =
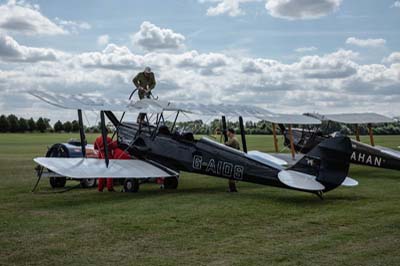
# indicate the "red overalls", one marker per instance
pixel 114 153
pixel 121 155
pixel 98 145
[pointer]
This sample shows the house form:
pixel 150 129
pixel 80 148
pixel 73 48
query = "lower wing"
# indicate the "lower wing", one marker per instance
pixel 82 168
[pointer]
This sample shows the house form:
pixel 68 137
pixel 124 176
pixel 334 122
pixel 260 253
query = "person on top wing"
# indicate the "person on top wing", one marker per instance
pixel 145 83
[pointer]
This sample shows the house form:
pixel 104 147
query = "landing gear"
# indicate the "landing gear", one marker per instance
pixel 57 150
pixel 131 185
pixel 88 182
pixel 171 182
pixel 320 195
pixel 57 182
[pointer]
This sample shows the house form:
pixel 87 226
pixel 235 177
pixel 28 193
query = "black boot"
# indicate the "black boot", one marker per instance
pixel 232 186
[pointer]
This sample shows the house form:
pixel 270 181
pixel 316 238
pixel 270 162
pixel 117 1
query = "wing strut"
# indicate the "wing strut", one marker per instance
pixel 82 133
pixel 224 129
pixel 357 133
pixel 243 134
pixel 371 134
pixel 291 142
pixel 275 139
pixel 104 135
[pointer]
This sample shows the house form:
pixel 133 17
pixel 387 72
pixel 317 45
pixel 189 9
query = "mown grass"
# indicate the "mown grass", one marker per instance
pixel 198 224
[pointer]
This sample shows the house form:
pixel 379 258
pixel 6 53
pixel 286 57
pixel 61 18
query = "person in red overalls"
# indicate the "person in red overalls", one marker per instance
pixel 98 145
pixel 119 154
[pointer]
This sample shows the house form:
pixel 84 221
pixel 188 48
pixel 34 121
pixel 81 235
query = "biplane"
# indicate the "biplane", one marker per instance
pixel 303 140
pixel 161 151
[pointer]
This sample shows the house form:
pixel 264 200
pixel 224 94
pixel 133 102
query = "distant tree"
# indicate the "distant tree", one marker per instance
pixel 47 123
pixel 58 126
pixel 75 126
pixel 13 123
pixel 22 125
pixel 41 125
pixel 4 125
pixel 31 125
pixel 92 129
pixel 67 126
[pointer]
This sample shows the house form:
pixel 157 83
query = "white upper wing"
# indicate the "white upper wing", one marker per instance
pixel 355 118
pixel 232 110
pixel 84 102
pixel 290 119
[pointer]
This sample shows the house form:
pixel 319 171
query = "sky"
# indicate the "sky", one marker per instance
pixel 288 56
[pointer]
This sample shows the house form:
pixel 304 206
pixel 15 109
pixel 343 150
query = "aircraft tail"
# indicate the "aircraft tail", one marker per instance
pixel 329 162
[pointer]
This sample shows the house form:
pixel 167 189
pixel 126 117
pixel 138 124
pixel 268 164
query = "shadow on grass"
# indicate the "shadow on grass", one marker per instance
pixel 89 197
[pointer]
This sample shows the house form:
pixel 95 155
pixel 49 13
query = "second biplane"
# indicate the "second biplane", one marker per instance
pixel 303 140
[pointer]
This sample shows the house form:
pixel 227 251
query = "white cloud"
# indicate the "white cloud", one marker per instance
pixel 153 38
pixel 332 82
pixel 112 57
pixel 20 17
pixel 305 49
pixel 396 4
pixel 366 42
pixel 301 9
pixel 229 7
pixel 71 26
pixel 392 58
pixel 336 65
pixel 10 50
pixel 103 40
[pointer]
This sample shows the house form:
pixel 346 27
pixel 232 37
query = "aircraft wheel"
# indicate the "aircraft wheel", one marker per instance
pixel 57 150
pixel 171 182
pixel 131 185
pixel 57 182
pixel 88 182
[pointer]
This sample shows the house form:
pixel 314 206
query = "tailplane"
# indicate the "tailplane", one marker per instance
pixel 328 162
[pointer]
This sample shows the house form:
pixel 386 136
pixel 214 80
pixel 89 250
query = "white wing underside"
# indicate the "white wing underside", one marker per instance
pixel 82 168
pixel 300 180
pixel 308 182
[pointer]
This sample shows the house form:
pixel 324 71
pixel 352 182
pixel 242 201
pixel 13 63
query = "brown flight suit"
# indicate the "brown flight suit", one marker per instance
pixel 234 143
pixel 146 82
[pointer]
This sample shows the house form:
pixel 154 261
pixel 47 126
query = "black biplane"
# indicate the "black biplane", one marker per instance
pixel 303 140
pixel 161 151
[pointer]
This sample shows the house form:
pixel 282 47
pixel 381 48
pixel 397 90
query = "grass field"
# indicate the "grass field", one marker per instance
pixel 198 224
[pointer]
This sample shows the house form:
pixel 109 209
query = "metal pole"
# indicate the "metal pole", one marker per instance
pixel 224 129
pixel 104 135
pixel 357 133
pixel 243 134
pixel 275 139
pixel 82 133
pixel 291 142
pixel 371 135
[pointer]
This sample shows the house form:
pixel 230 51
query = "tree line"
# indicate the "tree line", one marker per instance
pixel 13 124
